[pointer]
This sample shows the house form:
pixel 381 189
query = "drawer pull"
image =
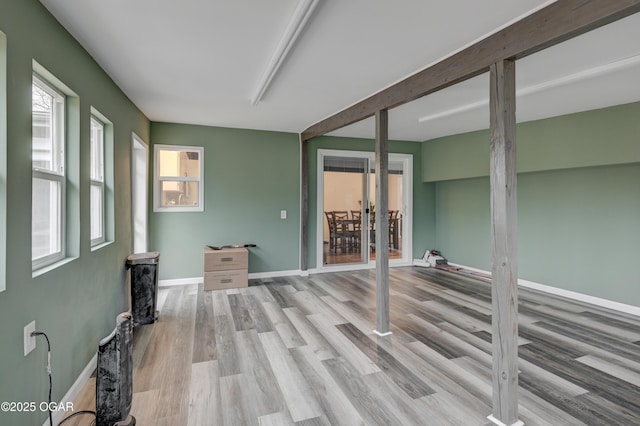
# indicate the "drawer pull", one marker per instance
pixel 226 259
pixel 226 281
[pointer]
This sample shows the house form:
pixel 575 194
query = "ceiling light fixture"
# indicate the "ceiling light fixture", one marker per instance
pixel 296 24
pixel 536 88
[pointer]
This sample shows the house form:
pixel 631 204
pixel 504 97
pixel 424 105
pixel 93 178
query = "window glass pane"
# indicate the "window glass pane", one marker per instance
pixel 97 150
pixel 46 218
pixel 42 129
pixel 47 128
pixel 179 193
pixel 179 163
pixel 96 213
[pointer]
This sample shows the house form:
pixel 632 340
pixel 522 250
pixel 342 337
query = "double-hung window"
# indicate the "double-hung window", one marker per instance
pixel 179 174
pixel 48 174
pixel 97 181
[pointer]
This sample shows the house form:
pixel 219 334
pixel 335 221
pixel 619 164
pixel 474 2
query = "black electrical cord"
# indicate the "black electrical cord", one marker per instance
pixel 78 414
pixel 40 333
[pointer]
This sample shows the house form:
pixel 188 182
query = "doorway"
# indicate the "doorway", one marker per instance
pixel 346 209
pixel 139 193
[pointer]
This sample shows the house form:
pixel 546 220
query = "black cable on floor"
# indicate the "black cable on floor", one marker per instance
pixel 78 413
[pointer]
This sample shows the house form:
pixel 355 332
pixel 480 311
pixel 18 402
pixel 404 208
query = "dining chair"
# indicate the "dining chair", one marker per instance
pixel 393 228
pixel 333 232
pixel 342 228
pixel 356 230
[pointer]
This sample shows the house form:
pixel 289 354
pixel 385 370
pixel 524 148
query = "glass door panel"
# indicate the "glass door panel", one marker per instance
pixel 347 207
pixel 345 182
pixel 395 211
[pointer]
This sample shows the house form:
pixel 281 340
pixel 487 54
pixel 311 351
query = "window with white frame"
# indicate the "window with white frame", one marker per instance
pixel 48 171
pixel 179 172
pixel 97 196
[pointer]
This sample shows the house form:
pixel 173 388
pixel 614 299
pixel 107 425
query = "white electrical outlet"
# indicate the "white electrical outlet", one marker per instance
pixel 29 340
pixel 283 214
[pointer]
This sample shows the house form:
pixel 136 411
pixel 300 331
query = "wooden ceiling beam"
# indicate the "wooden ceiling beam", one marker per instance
pixel 546 27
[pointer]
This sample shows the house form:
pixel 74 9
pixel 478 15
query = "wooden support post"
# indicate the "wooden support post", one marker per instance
pixel 304 201
pixel 504 243
pixel 382 223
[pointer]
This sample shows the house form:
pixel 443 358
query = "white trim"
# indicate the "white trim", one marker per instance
pixel 74 390
pixel 592 300
pixel 300 206
pixel 139 150
pixel 580 297
pixel 472 269
pixel 272 274
pixel 180 281
pixel 499 423
pixel 253 275
pixel 388 333
pixel 347 267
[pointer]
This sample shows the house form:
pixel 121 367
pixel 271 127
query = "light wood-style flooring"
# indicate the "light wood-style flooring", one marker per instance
pixel 300 351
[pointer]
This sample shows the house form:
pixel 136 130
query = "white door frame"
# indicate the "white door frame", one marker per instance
pixel 139 193
pixel 407 219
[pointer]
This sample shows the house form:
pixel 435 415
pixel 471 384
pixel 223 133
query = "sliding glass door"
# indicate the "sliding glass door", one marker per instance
pixel 347 209
pixel 344 207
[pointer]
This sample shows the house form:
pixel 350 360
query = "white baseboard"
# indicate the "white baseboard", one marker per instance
pixel 421 263
pixel 180 281
pixel 580 297
pixel 592 300
pixel 356 267
pixel 74 390
pixel 253 275
pixel 470 268
pixel 274 274
pixel 343 268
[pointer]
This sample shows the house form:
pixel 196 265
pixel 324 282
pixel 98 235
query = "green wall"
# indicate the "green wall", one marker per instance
pixel 423 193
pixel 75 304
pixel 578 201
pixel 592 138
pixel 250 176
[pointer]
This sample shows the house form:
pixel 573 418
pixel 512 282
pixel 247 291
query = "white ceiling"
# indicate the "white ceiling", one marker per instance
pixel 200 61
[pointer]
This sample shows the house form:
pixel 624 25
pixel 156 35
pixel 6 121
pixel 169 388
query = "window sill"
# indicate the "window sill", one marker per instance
pixel 178 209
pixel 48 268
pixel 101 245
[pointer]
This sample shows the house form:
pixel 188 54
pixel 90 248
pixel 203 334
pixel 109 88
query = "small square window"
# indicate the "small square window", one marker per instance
pixel 179 183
